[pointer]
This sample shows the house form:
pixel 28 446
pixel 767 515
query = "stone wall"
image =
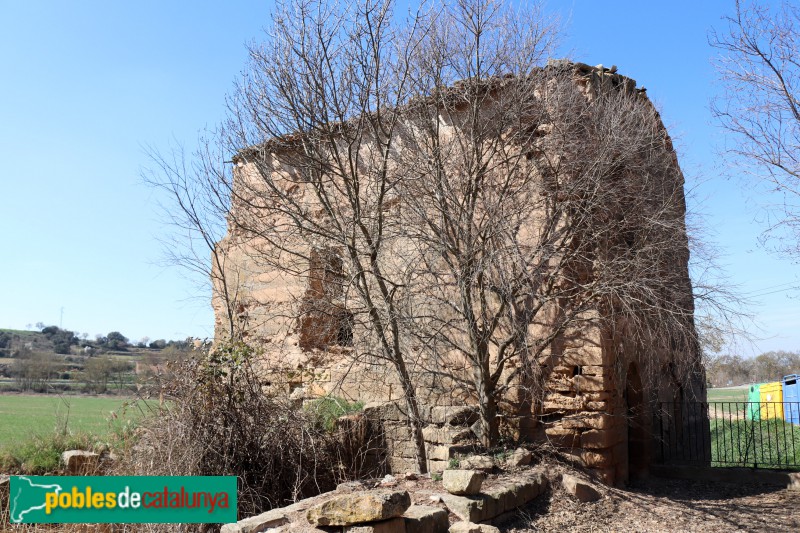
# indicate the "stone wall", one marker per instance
pixel 446 432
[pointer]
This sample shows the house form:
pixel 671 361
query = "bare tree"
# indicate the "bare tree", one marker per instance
pixel 543 201
pixel 453 208
pixel 469 193
pixel 760 107
pixel 33 370
pixel 196 206
pixel 316 117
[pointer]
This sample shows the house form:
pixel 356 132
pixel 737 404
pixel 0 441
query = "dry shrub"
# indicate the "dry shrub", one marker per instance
pixel 218 418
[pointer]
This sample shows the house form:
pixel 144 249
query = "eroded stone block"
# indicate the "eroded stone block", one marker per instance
pixel 462 481
pixel 80 462
pixel 477 462
pixel 469 509
pixel 520 457
pixel 582 490
pixel 454 415
pixel 394 525
pixel 600 438
pixel 425 519
pixel 597 458
pixel 358 508
pixel 591 421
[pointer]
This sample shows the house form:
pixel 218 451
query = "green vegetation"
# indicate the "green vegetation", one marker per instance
pixel 116 341
pixel 729 394
pixel 42 453
pixel 771 443
pixel 328 409
pixel 23 417
pixel 54 360
pixel 62 339
pixel 35 429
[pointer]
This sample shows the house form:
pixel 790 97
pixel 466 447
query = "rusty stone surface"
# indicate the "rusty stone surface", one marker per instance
pixel 358 508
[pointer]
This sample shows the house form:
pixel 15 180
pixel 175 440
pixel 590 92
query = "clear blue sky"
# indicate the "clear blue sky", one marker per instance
pixel 86 85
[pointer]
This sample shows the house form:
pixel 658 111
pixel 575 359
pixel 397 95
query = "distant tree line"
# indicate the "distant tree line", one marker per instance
pixel 62 339
pixel 731 370
pixel 60 359
pixel 5 343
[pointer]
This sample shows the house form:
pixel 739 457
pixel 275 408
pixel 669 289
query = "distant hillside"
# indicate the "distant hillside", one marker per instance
pixel 15 339
pixel 55 360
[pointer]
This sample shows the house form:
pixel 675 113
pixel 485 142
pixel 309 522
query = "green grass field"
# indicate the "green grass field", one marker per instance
pixel 729 394
pixel 24 415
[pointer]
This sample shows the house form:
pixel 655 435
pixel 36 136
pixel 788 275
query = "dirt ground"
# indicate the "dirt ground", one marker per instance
pixel 665 505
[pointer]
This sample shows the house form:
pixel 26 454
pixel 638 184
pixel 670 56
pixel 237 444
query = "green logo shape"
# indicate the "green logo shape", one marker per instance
pixel 122 499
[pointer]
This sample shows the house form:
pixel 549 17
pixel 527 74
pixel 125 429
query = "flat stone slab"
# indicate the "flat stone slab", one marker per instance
pixel 462 481
pixel 262 522
pixel 477 462
pixel 497 500
pixel 426 519
pixel 357 508
pixel 470 509
pixel 469 527
pixel 393 525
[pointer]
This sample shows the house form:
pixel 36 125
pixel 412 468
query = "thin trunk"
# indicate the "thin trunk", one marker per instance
pixel 414 418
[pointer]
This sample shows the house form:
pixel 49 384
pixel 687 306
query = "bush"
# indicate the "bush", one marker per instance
pixel 5 340
pixel 767 443
pixel 218 420
pixel 327 410
pixel 62 339
pixel 42 453
pixel 116 341
pixel 159 344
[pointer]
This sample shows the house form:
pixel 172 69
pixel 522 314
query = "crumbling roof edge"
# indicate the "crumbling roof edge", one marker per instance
pixel 290 140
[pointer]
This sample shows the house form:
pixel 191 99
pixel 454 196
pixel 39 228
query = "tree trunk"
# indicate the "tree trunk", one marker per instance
pixel 487 409
pixel 414 418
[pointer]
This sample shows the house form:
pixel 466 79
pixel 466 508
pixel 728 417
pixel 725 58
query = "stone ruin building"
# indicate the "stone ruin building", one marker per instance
pixel 598 385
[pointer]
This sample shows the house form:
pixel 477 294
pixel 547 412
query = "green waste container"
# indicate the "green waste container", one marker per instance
pixel 754 402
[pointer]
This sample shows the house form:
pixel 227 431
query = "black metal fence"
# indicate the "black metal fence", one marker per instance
pixel 753 434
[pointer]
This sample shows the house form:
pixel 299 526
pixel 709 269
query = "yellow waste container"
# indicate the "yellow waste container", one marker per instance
pixel 771 400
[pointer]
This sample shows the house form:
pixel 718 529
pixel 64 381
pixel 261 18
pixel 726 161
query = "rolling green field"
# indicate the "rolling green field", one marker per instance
pixel 23 415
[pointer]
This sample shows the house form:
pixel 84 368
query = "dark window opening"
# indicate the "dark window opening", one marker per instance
pixel 345 334
pixel 323 321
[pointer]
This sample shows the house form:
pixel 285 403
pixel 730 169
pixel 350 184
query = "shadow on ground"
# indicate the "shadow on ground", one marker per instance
pixel 670 505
